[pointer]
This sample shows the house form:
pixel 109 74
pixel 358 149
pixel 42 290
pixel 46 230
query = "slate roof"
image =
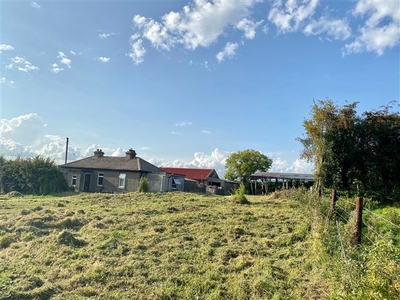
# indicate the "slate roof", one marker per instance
pixel 191 173
pixel 113 163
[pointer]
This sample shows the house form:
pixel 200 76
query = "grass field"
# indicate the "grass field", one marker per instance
pixel 155 246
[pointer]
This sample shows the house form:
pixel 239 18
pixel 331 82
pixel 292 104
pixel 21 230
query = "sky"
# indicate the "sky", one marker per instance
pixel 186 83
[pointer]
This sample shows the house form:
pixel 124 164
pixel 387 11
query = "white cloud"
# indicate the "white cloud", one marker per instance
pixel 104 59
pixel 4 80
pixel 337 29
pixel 64 59
pixel 28 135
pixel 21 64
pixel 5 47
pixel 298 166
pixel 216 160
pixel 22 130
pixel 228 52
pixel 206 131
pixel 174 133
pixel 137 51
pixel 380 31
pixel 249 27
pixel 72 52
pixel 106 35
pixel 56 69
pixel 291 16
pixel 185 123
pixel 198 24
pixel 35 5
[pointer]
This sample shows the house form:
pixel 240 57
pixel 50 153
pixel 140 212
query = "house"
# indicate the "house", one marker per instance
pixel 100 173
pixel 202 180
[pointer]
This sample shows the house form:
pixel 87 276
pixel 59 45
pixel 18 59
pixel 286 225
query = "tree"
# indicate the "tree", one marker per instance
pixel 380 141
pixel 240 165
pixel 347 148
pixel 331 143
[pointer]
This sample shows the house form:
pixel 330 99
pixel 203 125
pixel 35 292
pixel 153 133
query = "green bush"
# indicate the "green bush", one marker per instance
pixel 239 196
pixel 38 176
pixel 143 185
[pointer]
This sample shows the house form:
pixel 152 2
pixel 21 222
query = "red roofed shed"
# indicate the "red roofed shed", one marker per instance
pixel 192 173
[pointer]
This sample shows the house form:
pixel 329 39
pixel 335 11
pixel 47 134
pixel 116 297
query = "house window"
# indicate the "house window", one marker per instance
pixel 121 181
pixel 100 179
pixel 73 182
pixel 175 182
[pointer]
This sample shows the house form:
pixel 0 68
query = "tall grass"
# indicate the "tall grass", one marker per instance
pixel 371 271
pixel 155 246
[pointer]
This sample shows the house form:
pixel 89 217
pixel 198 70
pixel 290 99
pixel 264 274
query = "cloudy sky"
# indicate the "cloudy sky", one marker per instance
pixel 185 83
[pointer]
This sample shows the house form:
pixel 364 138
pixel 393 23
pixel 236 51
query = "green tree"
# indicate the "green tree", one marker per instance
pixel 323 122
pixel 346 148
pixel 342 150
pixel 240 165
pixel 380 142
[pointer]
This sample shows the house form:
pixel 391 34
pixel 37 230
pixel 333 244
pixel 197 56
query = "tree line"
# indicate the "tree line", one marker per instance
pixel 351 152
pixel 37 176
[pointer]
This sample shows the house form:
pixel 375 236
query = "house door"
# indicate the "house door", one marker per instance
pixel 86 183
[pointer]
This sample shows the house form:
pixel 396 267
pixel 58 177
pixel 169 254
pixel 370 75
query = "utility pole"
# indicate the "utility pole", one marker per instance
pixel 66 151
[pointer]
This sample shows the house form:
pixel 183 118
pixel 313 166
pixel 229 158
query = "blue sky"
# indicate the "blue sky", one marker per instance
pixel 185 83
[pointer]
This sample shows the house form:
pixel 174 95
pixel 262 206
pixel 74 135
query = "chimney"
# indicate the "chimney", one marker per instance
pixel 130 153
pixel 98 153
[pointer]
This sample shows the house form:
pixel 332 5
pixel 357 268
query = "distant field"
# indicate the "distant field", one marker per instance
pixel 155 246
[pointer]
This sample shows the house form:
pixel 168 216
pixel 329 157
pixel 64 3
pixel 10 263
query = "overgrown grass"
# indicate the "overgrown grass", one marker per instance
pixel 156 246
pixel 368 271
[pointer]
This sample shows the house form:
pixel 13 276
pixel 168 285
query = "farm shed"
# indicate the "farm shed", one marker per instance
pixel 203 180
pixel 281 180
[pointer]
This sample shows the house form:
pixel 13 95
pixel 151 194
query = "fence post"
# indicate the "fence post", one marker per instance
pixel 359 208
pixel 333 201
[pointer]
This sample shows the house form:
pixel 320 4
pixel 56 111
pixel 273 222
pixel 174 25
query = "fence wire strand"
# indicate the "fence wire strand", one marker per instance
pixel 382 218
pixel 341 216
pixel 343 209
pixel 376 233
pixel 343 251
pixel 345 216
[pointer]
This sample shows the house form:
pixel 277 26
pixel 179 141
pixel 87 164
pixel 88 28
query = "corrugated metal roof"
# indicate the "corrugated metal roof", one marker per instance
pixel 192 173
pixel 299 176
pixel 113 163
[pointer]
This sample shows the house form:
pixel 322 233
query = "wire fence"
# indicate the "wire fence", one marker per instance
pixel 366 228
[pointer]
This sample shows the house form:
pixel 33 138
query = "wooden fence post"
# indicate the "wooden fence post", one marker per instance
pixel 333 201
pixel 359 208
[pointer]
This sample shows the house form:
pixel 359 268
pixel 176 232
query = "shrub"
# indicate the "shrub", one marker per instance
pixel 143 185
pixel 239 196
pixel 36 175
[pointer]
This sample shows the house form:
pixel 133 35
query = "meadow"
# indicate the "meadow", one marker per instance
pixel 156 246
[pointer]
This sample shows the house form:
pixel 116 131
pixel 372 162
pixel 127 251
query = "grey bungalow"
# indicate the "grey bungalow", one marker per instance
pixel 110 174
